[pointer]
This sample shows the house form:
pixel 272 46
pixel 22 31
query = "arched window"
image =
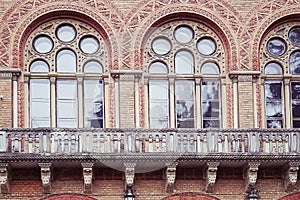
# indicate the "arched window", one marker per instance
pixel 65 60
pixel 184 70
pixel 280 58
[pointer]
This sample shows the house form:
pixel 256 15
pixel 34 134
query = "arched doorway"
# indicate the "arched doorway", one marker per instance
pixel 294 196
pixel 68 197
pixel 190 196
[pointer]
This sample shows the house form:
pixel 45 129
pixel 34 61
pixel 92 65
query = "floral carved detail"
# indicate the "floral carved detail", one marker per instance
pixel 170 176
pixel 211 176
pixel 250 174
pixel 46 177
pixel 4 184
pixel 129 174
pixel 87 177
pixel 291 175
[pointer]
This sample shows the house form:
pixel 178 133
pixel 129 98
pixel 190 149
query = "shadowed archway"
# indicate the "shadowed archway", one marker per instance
pixel 294 196
pixel 68 197
pixel 190 196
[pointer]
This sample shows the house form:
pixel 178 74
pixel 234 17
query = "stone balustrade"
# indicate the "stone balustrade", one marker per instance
pixel 147 140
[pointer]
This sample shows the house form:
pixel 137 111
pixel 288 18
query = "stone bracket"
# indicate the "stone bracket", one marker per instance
pixel 129 174
pixel 4 181
pixel 210 176
pixel 170 177
pixel 46 177
pixel 250 174
pixel 87 170
pixel 290 175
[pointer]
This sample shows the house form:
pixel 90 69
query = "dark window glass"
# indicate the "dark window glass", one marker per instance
pixel 295 62
pixel 276 46
pixel 294 35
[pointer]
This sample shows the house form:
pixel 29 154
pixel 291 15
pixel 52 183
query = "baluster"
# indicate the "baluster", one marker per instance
pixel 26 140
pixel 73 143
pixel 226 144
pixel 170 142
pixel 164 143
pixel 220 144
pixel 102 143
pixel 205 145
pixel 149 143
pixel 286 143
pixel 157 143
pixel 280 144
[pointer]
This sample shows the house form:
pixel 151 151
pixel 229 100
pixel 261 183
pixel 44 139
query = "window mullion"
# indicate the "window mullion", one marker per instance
pixel 287 103
pixel 53 101
pixel 198 104
pixel 172 102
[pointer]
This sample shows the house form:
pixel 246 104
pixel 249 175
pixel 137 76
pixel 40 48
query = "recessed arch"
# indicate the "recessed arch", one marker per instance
pixel 294 196
pixel 68 197
pixel 190 196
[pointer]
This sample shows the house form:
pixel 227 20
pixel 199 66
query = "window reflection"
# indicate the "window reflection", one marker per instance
pixel 184 63
pixel 295 87
pixel 66 61
pixel 295 62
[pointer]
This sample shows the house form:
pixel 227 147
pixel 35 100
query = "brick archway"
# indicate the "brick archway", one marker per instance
pixel 294 196
pixel 68 197
pixel 190 196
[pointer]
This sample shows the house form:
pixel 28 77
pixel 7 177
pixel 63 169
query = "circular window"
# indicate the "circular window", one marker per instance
pixel 276 46
pixel 273 68
pixel 66 33
pixel 43 44
pixel 183 34
pixel 294 35
pixel 161 45
pixel 89 44
pixel 206 46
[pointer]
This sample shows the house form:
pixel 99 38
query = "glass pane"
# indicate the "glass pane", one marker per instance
pixel 210 90
pixel 211 123
pixel 210 109
pixel 184 63
pixel 273 90
pixel 210 68
pixel 294 35
pixel 93 67
pixel 39 103
pixel 43 44
pixel 158 67
pixel 296 108
pixel 66 33
pixel 93 103
pixel 159 104
pixel 274 123
pixel 295 62
pixel 296 123
pixel 89 44
pixel 273 68
pixel 39 66
pixel 161 45
pixel 184 96
pixel 66 61
pixel 276 46
pixel 184 34
pixel 295 87
pixel 67 103
pixel 274 109
pixel 206 46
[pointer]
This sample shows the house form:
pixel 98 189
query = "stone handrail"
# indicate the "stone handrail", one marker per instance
pixel 148 140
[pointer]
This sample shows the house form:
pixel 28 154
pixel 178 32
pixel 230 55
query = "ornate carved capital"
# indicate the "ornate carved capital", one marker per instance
pixel 129 174
pixel 290 175
pixel 46 177
pixel 170 176
pixel 4 183
pixel 87 177
pixel 250 174
pixel 211 176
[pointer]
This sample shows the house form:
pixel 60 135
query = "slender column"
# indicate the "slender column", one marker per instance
pixel 235 102
pixel 80 101
pixel 106 102
pixel 117 98
pixel 15 101
pixel 287 103
pixel 198 103
pixel 172 102
pixel 53 101
pixel 146 102
pixel 137 101
pixel 223 102
pixel 254 90
pixel 26 102
pixel 263 109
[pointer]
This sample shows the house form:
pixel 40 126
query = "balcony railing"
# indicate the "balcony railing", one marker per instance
pixel 147 140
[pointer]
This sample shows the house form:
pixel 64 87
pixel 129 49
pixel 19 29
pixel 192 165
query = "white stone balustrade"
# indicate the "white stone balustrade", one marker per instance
pixel 149 141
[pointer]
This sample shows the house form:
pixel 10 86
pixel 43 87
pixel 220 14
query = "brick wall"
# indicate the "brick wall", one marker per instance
pixel 6 102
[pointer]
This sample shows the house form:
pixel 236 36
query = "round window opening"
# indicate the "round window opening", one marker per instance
pixel 89 44
pixel 66 33
pixel 184 34
pixel 161 45
pixel 43 44
pixel 276 46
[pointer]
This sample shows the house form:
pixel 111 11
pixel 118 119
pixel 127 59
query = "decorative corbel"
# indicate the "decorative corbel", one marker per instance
pixel 129 174
pixel 211 176
pixel 87 177
pixel 4 181
pixel 46 177
pixel 250 174
pixel 290 175
pixel 170 177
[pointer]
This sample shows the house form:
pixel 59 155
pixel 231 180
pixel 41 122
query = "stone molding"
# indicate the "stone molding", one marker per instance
pixel 46 177
pixel 4 181
pixel 211 176
pixel 87 169
pixel 290 175
pixel 250 174
pixel 170 177
pixel 129 174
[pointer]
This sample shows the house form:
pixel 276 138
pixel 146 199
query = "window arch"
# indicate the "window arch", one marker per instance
pixel 65 61
pixel 184 59
pixel 280 58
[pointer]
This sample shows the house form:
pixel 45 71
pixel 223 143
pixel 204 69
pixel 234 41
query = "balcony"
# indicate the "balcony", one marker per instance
pixel 120 143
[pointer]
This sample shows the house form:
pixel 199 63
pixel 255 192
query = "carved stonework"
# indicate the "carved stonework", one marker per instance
pixel 250 174
pixel 4 183
pixel 211 176
pixel 170 177
pixel 87 177
pixel 129 174
pixel 290 176
pixel 46 177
